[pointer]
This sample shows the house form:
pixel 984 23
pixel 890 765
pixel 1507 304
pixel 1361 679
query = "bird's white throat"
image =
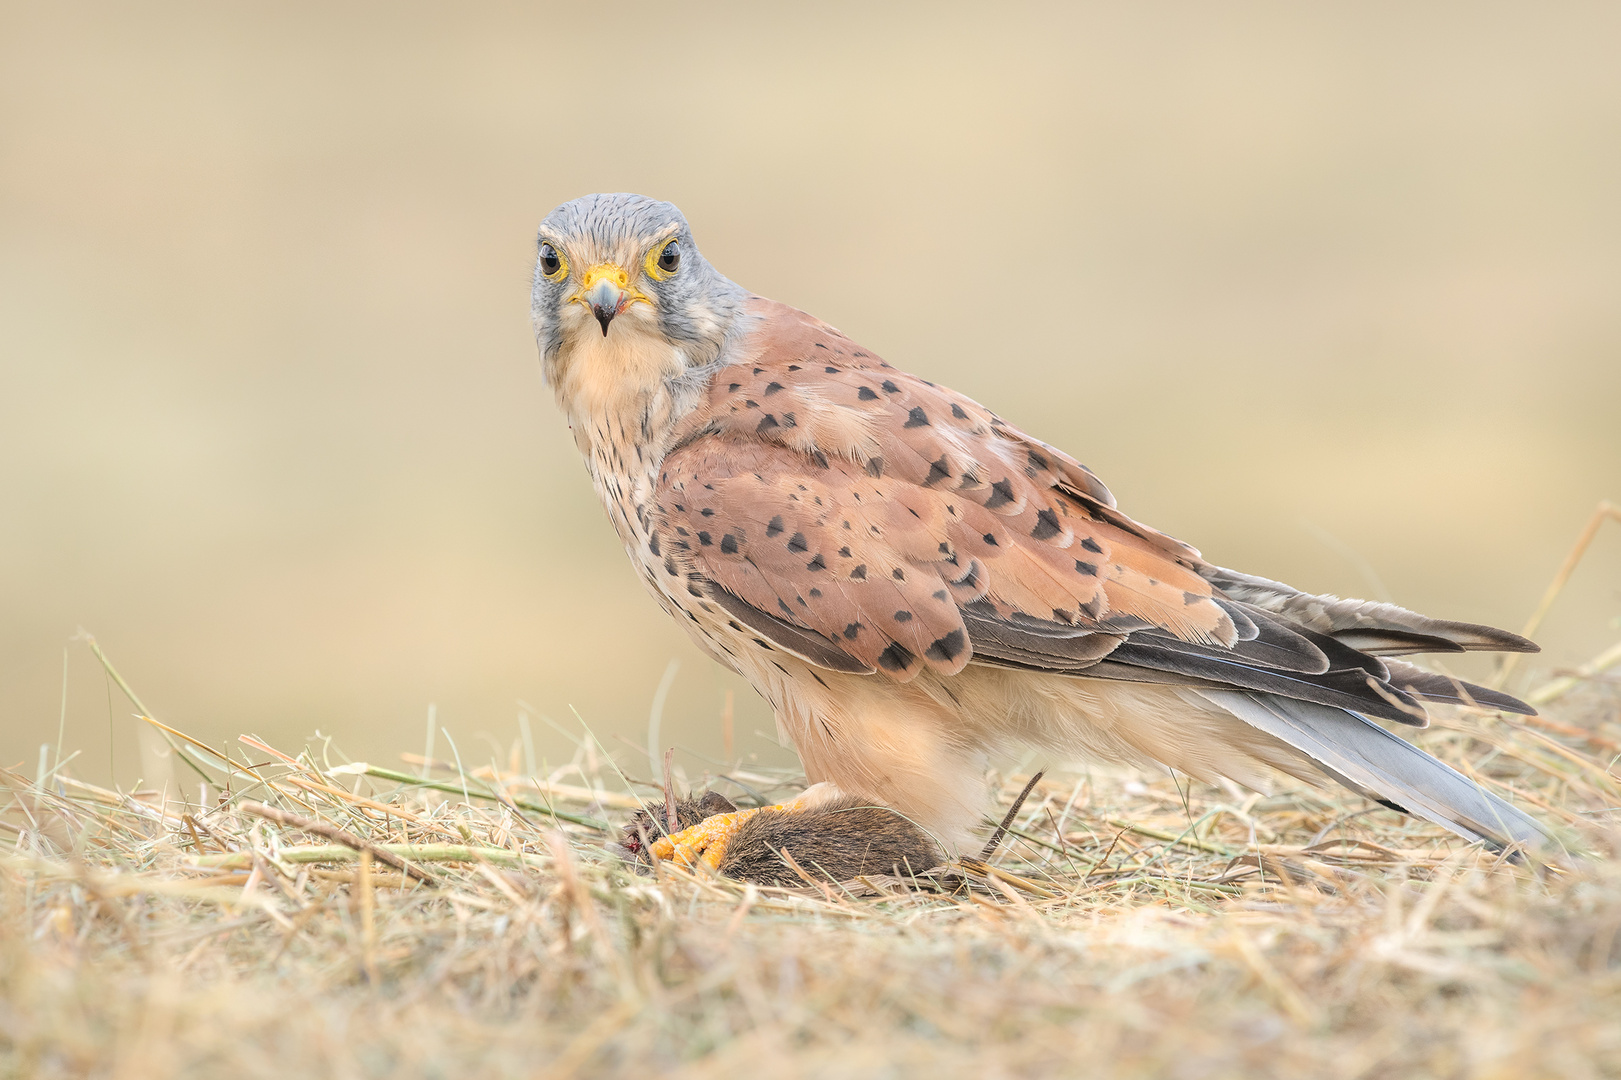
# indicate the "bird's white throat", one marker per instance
pixel 615 381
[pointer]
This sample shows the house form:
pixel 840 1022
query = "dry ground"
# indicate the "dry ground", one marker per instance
pixel 1129 926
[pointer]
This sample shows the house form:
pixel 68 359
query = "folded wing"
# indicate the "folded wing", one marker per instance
pixel 868 520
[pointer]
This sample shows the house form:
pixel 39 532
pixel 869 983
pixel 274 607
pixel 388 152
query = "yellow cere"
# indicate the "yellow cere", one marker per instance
pixel 612 271
pixel 615 275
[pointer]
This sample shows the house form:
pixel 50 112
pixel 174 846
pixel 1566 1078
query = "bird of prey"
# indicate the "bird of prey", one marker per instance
pixel 913 582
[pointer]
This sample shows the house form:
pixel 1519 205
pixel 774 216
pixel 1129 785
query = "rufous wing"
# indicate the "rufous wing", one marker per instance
pixel 826 489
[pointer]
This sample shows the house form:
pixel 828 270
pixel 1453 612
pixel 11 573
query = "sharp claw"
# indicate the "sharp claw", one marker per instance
pixel 706 841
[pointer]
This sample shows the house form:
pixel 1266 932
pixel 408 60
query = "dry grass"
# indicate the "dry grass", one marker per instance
pixel 1129 926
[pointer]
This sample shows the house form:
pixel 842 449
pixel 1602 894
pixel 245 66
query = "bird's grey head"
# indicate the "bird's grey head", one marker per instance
pixel 626 266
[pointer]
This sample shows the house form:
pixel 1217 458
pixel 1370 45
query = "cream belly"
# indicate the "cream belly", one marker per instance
pixel 920 747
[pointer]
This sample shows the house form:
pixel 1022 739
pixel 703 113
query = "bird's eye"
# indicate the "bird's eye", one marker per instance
pixel 551 263
pixel 663 261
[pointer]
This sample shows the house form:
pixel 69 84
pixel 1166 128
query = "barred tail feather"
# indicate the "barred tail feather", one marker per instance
pixel 1371 761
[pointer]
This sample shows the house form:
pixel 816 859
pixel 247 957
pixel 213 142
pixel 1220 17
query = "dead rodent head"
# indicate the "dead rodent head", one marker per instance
pixel 835 841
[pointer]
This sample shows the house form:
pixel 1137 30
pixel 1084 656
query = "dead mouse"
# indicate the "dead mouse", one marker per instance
pixel 838 841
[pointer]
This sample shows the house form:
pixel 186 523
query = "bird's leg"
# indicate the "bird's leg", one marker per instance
pixel 707 841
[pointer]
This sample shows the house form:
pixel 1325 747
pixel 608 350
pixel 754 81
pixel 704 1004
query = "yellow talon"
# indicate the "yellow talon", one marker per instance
pixel 707 841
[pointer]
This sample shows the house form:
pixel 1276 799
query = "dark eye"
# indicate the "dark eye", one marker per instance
pixel 670 257
pixel 551 264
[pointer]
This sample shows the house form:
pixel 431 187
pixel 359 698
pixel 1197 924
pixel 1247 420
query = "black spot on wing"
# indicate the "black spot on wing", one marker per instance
pixel 947 648
pixel 896 657
pixel 916 418
pixel 816 648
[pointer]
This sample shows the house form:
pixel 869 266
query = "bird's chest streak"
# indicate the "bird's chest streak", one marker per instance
pixel 624 473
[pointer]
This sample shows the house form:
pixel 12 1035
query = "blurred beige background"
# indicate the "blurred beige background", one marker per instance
pixel 1331 291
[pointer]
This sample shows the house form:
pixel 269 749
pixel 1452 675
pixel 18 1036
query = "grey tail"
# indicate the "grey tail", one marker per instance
pixel 1372 762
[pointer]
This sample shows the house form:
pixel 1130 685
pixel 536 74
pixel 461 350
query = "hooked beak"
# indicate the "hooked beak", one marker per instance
pixel 606 292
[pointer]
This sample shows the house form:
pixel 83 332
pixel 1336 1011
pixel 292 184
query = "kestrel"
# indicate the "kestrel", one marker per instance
pixel 912 582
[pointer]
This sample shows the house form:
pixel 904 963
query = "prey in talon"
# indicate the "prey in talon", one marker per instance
pixel 912 582
pixel 834 841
